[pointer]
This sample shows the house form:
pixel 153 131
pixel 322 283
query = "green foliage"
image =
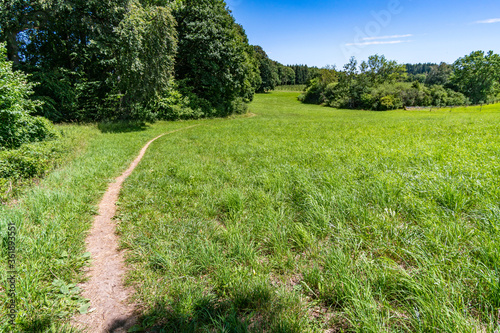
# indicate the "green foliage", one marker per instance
pixel 419 69
pixel 212 60
pixel 62 99
pixel 395 96
pixel 477 76
pixel 319 89
pixel 439 75
pixel 19 129
pixel 20 165
pixel 269 72
pixel 14 88
pixel 145 62
pixel 117 60
pixel 114 59
pixel 286 75
pixel 174 105
pixel 303 73
pixel 253 78
pixel 380 70
pixel 79 75
pixel 17 126
pixel 379 84
pixel 388 102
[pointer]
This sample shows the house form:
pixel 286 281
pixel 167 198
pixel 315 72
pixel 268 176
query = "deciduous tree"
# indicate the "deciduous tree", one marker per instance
pixel 477 76
pixel 212 60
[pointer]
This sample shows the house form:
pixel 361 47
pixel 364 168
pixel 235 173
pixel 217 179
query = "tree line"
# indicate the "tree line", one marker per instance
pixel 274 73
pixel 382 84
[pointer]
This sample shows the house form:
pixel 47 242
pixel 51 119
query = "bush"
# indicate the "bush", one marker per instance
pixel 56 90
pixel 174 106
pixel 378 85
pixel 19 129
pixel 387 102
pixel 239 106
pixel 17 126
pixel 29 161
pixel 313 93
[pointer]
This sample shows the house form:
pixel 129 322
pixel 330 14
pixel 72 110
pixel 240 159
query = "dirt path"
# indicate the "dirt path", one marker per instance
pixel 108 296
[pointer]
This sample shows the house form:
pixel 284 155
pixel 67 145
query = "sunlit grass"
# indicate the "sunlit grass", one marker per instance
pixel 291 88
pixel 307 218
pixel 300 219
pixel 52 221
pixel 474 108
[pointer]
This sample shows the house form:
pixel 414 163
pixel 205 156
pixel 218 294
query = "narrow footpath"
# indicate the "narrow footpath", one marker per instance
pixel 110 309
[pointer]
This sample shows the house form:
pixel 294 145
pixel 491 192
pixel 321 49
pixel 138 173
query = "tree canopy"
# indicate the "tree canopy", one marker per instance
pixel 477 76
pixel 212 60
pixel 378 84
pixel 147 59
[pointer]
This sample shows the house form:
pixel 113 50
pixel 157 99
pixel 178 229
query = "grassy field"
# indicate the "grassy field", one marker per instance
pixel 310 219
pixel 461 109
pixel 291 88
pixel 53 218
pixel 300 219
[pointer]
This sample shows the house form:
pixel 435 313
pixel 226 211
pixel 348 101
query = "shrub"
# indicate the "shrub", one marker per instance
pixel 313 93
pixel 31 160
pixel 174 106
pixel 19 129
pixel 387 102
pixel 17 126
pixel 239 106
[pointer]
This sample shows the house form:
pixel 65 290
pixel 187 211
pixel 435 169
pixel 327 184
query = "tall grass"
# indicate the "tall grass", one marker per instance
pixel 52 221
pixel 306 219
pixel 301 219
pixel 473 108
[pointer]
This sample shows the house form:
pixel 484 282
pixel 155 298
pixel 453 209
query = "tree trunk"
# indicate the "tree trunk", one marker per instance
pixel 12 47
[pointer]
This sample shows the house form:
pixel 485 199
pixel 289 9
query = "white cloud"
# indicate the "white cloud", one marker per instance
pixel 379 42
pixel 495 20
pixel 387 37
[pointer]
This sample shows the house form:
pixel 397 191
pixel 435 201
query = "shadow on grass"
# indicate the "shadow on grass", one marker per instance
pixel 210 315
pixel 122 126
pixel 44 324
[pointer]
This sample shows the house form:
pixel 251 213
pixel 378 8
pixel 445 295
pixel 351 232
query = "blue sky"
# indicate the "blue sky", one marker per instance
pixel 321 32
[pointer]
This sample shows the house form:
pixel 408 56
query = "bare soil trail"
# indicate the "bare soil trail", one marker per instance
pixel 109 298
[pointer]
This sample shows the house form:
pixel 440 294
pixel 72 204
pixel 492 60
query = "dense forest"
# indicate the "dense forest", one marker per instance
pixel 141 60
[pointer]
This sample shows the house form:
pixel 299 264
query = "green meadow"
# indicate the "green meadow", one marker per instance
pixel 308 219
pixel 297 219
pixel 52 220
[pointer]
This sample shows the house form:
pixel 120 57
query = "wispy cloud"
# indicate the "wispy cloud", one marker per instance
pixel 494 20
pixel 378 42
pixel 387 37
